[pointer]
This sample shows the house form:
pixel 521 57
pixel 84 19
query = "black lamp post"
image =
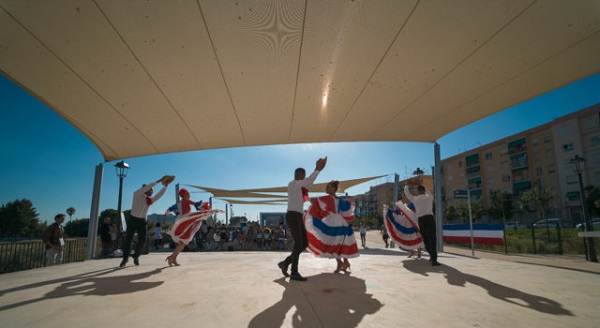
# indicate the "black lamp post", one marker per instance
pixel 578 168
pixel 418 172
pixel 121 169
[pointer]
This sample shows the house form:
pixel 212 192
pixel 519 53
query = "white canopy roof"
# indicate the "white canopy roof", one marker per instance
pixel 149 77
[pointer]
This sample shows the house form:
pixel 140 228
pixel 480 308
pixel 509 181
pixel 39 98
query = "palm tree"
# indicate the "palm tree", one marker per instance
pixel 70 211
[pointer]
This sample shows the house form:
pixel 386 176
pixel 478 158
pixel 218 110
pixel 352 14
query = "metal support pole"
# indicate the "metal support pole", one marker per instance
pixel 470 221
pixel 437 186
pixel 93 225
pixel 396 187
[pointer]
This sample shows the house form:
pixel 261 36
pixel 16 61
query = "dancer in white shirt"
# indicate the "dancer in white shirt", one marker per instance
pixel 297 195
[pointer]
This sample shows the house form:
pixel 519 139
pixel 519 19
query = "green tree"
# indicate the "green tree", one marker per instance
pixel 476 210
pixel 592 200
pixel 501 206
pixel 112 214
pixel 77 228
pixel 20 219
pixel 539 197
pixel 452 213
pixel 70 212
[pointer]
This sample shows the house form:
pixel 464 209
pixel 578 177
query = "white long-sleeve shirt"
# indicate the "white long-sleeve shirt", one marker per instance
pixel 423 203
pixel 295 198
pixel 139 206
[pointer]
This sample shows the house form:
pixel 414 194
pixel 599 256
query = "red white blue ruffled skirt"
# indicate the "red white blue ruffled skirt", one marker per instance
pixel 402 226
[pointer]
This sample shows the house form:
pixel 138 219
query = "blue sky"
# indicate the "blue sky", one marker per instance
pixel 47 161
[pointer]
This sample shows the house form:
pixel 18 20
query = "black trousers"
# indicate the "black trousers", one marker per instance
pixel 428 231
pixel 295 222
pixel 134 225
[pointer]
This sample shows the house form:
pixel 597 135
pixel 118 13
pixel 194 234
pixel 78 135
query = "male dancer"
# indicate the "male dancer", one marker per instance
pixel 142 199
pixel 424 208
pixel 297 195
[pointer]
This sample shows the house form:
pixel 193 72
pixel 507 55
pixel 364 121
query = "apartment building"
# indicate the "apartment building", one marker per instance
pixel 542 156
pixel 371 203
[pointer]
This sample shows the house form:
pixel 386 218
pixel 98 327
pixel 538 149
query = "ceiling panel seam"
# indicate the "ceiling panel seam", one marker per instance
pixel 62 114
pixel 212 44
pixel 532 67
pixel 459 64
pixel 341 122
pixel 187 127
pixel 297 73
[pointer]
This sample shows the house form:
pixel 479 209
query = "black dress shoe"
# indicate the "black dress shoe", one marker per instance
pixel 136 261
pixel 123 264
pixel 296 276
pixel 435 263
pixel 284 267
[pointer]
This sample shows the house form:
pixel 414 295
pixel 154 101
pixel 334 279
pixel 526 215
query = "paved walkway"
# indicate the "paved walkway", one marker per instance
pixel 246 289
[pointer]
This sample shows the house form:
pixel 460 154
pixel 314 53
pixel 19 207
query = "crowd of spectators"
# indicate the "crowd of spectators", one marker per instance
pixel 250 236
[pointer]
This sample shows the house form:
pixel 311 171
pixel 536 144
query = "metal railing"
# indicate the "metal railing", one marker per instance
pixel 30 254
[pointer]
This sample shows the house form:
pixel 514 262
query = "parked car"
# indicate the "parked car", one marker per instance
pixel 595 224
pixel 552 223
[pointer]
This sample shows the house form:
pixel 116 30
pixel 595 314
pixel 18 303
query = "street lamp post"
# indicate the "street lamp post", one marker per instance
pixel 578 168
pixel 418 172
pixel 121 169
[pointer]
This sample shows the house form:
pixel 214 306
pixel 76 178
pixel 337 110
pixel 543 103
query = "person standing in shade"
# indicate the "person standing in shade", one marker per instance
pixel 423 203
pixel 157 236
pixel 142 199
pixel 386 238
pixel 297 195
pixel 106 238
pixel 54 238
pixel 363 234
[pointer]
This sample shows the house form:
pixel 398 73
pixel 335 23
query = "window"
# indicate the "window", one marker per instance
pixel 573 196
pixel 550 168
pixel 503 151
pixel 535 142
pixel 539 171
pixel 572 179
pixel 449 178
pixel 491 181
pixel 505 178
pixel 547 139
pixel 459 163
pixel 591 123
pixel 568 147
pixel 488 155
pixel 449 167
pixel 594 140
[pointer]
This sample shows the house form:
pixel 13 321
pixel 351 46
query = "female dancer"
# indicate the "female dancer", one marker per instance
pixel 329 234
pixel 187 223
pixel 402 227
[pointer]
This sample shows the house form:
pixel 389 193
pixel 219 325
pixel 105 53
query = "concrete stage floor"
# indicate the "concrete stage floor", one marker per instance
pixel 246 289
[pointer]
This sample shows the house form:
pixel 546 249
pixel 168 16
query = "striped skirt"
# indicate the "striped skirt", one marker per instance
pixel 402 226
pixel 330 237
pixel 187 225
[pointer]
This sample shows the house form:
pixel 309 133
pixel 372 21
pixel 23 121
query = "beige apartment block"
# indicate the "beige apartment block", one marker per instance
pixel 541 156
pixel 371 203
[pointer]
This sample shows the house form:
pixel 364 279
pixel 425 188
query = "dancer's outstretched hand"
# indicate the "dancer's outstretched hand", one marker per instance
pixel 321 162
pixel 167 179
